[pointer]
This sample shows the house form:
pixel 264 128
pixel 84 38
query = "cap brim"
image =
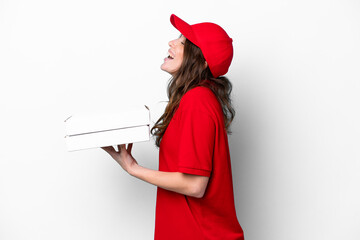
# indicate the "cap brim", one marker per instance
pixel 184 28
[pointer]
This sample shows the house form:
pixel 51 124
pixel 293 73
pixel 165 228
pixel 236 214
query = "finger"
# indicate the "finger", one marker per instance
pixel 121 147
pixel 129 147
pixel 110 150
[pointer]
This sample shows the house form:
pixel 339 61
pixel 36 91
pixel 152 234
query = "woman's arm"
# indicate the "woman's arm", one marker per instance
pixel 187 184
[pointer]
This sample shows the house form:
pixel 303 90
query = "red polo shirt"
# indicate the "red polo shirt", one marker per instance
pixel 195 142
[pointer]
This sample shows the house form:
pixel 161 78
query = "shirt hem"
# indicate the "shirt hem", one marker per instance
pixel 195 171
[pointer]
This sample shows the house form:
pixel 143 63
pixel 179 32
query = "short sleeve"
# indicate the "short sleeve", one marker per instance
pixel 196 142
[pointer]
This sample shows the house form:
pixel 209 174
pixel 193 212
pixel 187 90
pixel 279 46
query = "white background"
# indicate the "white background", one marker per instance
pixel 296 136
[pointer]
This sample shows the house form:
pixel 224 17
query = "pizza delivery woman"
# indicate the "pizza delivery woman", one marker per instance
pixel 195 199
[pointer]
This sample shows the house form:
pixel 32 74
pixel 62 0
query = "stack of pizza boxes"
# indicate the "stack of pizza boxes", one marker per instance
pixel 85 131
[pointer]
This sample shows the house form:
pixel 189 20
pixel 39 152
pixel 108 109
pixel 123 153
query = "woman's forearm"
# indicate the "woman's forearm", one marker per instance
pixel 187 184
pixel 182 183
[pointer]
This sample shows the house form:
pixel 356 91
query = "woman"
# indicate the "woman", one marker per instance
pixel 195 193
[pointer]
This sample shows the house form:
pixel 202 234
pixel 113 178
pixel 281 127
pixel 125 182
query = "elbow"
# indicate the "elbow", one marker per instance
pixel 195 186
pixel 196 192
pixel 199 195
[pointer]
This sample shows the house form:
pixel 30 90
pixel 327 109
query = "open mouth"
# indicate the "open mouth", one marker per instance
pixel 171 55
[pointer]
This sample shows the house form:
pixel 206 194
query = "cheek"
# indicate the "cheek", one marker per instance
pixel 180 59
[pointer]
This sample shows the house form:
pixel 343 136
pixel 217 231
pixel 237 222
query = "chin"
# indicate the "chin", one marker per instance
pixel 165 70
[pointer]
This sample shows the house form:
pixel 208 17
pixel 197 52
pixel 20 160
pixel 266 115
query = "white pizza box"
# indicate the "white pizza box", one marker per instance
pixel 89 130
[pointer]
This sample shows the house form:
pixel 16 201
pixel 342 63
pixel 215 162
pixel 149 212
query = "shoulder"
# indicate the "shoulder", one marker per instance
pixel 202 99
pixel 198 95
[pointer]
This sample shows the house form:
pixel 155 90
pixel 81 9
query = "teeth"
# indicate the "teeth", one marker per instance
pixel 171 56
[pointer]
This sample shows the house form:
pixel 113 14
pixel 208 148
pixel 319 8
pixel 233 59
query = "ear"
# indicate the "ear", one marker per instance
pixel 206 64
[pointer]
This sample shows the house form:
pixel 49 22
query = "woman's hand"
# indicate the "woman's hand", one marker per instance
pixel 122 156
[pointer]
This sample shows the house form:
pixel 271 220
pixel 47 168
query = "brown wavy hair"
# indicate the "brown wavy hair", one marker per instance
pixel 193 73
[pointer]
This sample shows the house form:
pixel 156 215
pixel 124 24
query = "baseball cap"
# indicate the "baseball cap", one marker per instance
pixel 213 41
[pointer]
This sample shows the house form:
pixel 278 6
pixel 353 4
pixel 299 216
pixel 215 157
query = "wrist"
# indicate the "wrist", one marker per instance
pixel 133 169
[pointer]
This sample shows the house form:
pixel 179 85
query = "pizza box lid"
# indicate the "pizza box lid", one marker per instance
pixel 84 123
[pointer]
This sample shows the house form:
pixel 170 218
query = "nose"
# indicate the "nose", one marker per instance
pixel 172 43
